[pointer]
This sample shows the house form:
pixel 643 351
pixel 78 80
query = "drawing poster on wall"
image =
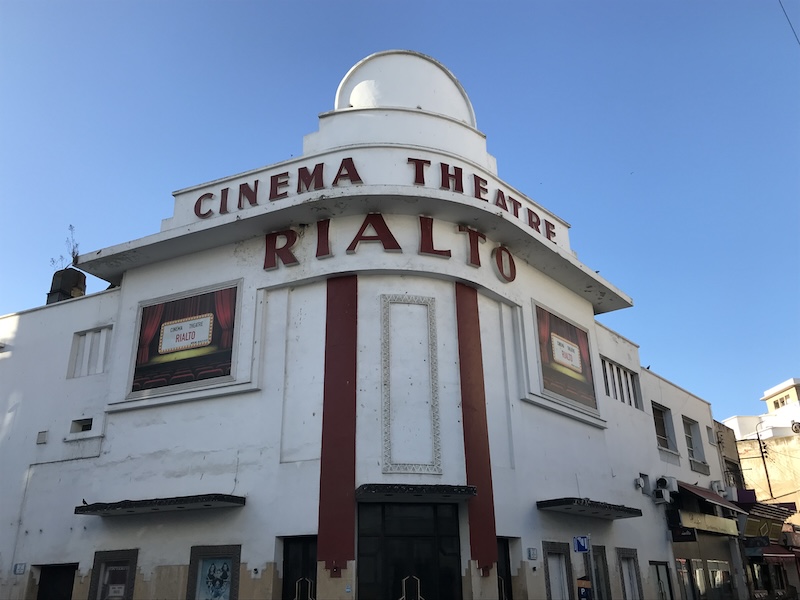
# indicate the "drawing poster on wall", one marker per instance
pixel 564 350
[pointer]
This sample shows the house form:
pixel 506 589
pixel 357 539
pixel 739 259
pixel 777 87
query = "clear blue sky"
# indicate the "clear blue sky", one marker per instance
pixel 666 132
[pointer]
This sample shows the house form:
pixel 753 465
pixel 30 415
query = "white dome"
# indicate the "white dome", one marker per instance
pixel 404 79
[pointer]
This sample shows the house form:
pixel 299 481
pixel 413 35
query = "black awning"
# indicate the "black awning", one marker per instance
pixel 398 492
pixel 176 503
pixel 709 496
pixel 584 507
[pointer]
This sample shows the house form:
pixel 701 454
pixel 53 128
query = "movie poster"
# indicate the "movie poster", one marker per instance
pixel 564 350
pixel 185 340
pixel 214 577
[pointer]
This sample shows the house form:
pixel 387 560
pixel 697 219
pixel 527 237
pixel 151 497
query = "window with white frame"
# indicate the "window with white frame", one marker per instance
pixel 630 577
pixel 688 426
pixel 557 570
pixel 621 384
pixel 694 445
pixel 89 352
pixel 665 436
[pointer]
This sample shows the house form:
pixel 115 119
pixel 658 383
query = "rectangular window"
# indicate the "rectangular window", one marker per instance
pixel 214 573
pixel 113 575
pixel 564 352
pixel 89 352
pixel 689 590
pixel 719 577
pixel 699 576
pixel 694 446
pixel 186 341
pixel 662 418
pixel 629 573
pixel 601 589
pixel 687 431
pixel 621 384
pixel 557 570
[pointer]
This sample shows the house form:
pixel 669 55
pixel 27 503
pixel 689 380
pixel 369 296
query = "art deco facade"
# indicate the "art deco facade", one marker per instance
pixel 372 372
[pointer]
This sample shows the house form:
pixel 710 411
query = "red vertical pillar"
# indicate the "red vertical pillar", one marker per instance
pixel 337 514
pixel 482 532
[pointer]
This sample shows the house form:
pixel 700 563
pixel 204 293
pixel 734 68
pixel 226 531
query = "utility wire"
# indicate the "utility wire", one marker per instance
pixel 788 20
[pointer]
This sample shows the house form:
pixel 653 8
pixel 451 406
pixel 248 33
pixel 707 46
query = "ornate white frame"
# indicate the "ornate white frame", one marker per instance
pixel 434 467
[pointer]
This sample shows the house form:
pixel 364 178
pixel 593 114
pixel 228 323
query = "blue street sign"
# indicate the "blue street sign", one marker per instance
pixel 580 543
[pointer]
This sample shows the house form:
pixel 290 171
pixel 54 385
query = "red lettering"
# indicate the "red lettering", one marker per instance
pixel 276 182
pixel 455 177
pixel 474 237
pixel 426 239
pixel 533 220
pixel 419 169
pixel 500 200
pixel 382 234
pixel 305 179
pixel 504 262
pixel 323 239
pixel 550 230
pixel 250 194
pixel 223 202
pixel 347 170
pixel 515 205
pixel 479 185
pixel 198 206
pixel 273 253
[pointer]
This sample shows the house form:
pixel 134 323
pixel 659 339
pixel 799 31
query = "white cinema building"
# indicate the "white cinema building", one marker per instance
pixel 370 372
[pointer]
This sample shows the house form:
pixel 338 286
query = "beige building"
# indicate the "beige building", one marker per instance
pixel 769 446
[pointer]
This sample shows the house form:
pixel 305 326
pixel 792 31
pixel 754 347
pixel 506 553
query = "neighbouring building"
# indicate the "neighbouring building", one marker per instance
pixel 769 446
pixel 769 451
pixel 372 371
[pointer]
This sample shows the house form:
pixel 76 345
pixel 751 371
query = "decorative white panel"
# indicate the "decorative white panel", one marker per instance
pixel 410 379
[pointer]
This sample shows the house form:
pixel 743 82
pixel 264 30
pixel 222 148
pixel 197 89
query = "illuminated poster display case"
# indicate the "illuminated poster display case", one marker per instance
pixel 564 351
pixel 185 340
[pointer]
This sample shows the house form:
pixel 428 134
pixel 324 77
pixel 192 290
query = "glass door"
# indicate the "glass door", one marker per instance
pixel 408 552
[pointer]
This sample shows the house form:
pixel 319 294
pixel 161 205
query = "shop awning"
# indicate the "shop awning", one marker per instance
pixel 399 492
pixel 775 554
pixel 585 507
pixel 710 496
pixel 155 505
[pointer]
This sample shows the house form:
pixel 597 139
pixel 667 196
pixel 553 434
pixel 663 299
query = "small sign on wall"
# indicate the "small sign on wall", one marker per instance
pixel 184 334
pixel 19 568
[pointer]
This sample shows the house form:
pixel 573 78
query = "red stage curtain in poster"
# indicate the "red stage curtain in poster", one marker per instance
pixel 225 302
pixel 151 321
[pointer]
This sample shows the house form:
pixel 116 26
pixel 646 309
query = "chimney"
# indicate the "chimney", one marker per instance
pixel 67 283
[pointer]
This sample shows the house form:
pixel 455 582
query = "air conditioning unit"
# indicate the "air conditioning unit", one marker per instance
pixel 718 487
pixel 661 496
pixel 731 493
pixel 638 483
pixel 669 484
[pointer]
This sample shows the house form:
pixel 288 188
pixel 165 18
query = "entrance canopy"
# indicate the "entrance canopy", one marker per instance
pixel 398 492
pixel 175 503
pixel 584 507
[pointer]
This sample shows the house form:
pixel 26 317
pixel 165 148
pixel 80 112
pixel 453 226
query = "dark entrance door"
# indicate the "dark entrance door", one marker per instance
pixel 299 568
pixel 503 570
pixel 56 581
pixel 408 552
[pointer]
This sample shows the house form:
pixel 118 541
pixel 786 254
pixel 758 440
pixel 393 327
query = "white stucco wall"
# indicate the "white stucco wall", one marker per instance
pixel 257 433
